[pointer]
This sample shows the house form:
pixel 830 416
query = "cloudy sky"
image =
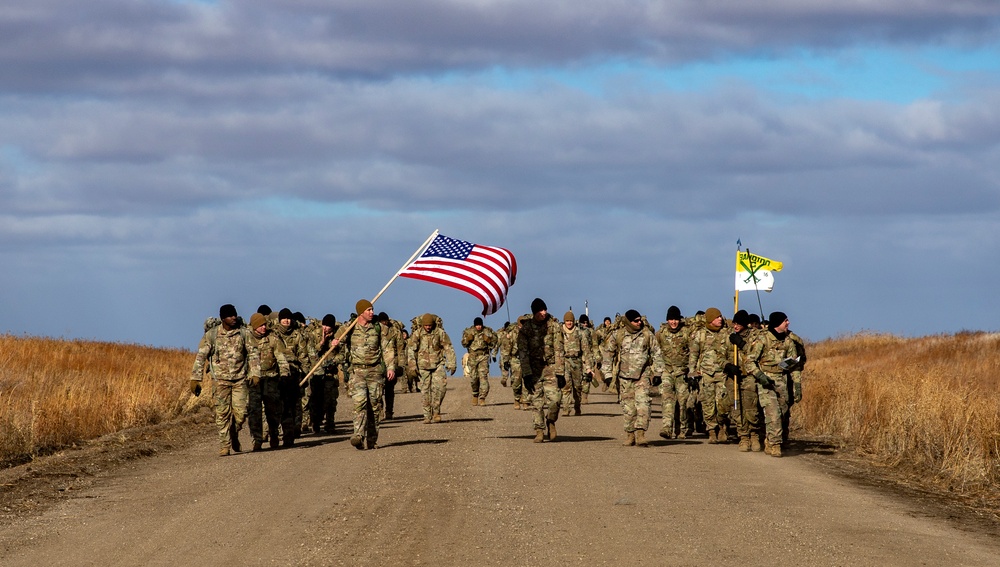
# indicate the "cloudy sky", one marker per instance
pixel 159 158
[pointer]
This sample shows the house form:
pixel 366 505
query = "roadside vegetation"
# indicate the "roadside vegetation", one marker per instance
pixel 927 407
pixel 57 393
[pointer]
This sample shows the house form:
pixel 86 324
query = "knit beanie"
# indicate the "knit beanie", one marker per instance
pixel 775 319
pixel 285 313
pixel 256 320
pixel 427 319
pixel 477 321
pixel 673 313
pixel 569 316
pixel 742 318
pixel 329 320
pixel 711 314
pixel 227 310
pixel 538 305
pixel 361 306
pixel 632 315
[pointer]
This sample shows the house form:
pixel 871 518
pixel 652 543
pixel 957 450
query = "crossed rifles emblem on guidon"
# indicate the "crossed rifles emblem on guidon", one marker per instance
pixel 751 270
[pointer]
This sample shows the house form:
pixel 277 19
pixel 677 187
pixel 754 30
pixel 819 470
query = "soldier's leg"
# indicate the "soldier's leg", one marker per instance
pixel 376 393
pixel 271 392
pixel 484 377
pixel 709 410
pixel 302 398
pixel 668 406
pixel 517 383
pixel 749 424
pixel 439 387
pixel 290 406
pixel 783 394
pixel 681 395
pixel 426 393
pixel 771 409
pixel 553 399
pixel 626 399
pixel 643 403
pixel 389 398
pixel 358 390
pixel 255 412
pixel 222 393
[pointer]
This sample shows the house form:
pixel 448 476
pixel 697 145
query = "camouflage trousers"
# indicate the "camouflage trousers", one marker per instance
pixel 714 403
pixel 231 397
pixel 636 403
pixel 433 385
pixel 325 389
pixel 572 392
pixel 673 404
pixel 479 368
pixel 366 389
pixel 749 409
pixel 770 406
pixel 545 401
pixel 521 394
pixel 265 398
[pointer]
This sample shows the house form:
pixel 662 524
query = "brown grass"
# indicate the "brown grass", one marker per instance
pixel 927 406
pixel 55 393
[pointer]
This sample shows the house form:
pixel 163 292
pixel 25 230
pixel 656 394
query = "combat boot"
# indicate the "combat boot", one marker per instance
pixel 358 442
pixel 427 420
pixel 566 412
pixel 482 401
pixel 224 452
pixel 744 444
pixel 712 439
pixel 682 435
pixel 475 400
pixel 517 404
pixel 576 411
pixel 629 439
pixel 767 447
pixel 257 445
pixel 775 451
pixel 539 435
pixel 640 438
pixel 552 431
pixel 272 441
pixel 723 436
pixel 666 434
pixel 436 418
pixel 755 444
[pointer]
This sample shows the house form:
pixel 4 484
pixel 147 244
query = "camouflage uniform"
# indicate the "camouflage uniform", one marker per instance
pixel 265 396
pixel 540 348
pixel 432 354
pixel 749 425
pixel 291 392
pixel 638 359
pixel 370 353
pixel 596 347
pixel 590 362
pixel 710 350
pixel 479 343
pixel 577 356
pixel 392 330
pixel 232 357
pixel 325 382
pixel 795 380
pixel 763 361
pixel 675 348
pixel 503 349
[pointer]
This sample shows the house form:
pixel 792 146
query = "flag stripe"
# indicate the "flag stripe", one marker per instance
pixel 486 272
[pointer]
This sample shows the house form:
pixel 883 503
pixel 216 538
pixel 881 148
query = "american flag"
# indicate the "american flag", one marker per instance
pixel 486 272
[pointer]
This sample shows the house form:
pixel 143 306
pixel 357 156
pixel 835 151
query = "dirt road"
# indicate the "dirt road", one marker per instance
pixel 476 491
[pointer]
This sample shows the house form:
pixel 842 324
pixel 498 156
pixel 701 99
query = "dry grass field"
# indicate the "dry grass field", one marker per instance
pixel 55 393
pixel 926 406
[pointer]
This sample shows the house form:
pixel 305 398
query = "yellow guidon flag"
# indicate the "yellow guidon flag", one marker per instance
pixel 753 272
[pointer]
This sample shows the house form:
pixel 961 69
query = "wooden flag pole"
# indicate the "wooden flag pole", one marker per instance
pixel 347 328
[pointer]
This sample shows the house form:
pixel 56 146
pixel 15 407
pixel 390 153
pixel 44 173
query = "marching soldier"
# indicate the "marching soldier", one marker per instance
pixel 540 347
pixel 479 341
pixel 640 364
pixel 431 352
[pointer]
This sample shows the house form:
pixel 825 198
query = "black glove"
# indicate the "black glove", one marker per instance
pixel 494 359
pixel 763 380
pixel 731 369
pixel 195 387
pixel 797 392
pixel 560 381
pixel 656 381
pixel 737 339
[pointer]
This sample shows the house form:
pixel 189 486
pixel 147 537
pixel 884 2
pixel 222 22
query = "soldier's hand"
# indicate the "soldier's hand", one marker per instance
pixel 560 380
pixel 195 386
pixel 255 381
pixel 737 339
pixel 797 391
pixel 656 381
pixel 764 380
pixel 731 369
pixel 494 359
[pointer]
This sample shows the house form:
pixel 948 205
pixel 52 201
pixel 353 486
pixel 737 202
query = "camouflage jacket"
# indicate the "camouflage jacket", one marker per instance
pixel 637 352
pixel 541 343
pixel 273 358
pixel 430 349
pixel 481 340
pixel 296 347
pixel 800 348
pixel 394 335
pixel 709 352
pixel 231 355
pixel 576 344
pixel 675 347
pixel 767 352
pixel 318 348
pixel 368 346
pixel 507 342
pixel 588 336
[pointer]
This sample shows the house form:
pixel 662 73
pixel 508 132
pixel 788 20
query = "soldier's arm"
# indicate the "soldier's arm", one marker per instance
pixel 204 351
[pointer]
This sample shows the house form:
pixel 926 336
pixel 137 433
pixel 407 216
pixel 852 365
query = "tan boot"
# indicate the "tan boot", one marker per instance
pixel 427 420
pixel 552 431
pixel 517 404
pixel 755 443
pixel 436 418
pixel 744 444
pixel 723 436
pixel 666 434
pixel 640 438
pixel 712 439
pixel 775 451
pixel 629 439
pixel 482 401
pixel 539 435
pixel 767 447
pixel 475 400
pixel 224 452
